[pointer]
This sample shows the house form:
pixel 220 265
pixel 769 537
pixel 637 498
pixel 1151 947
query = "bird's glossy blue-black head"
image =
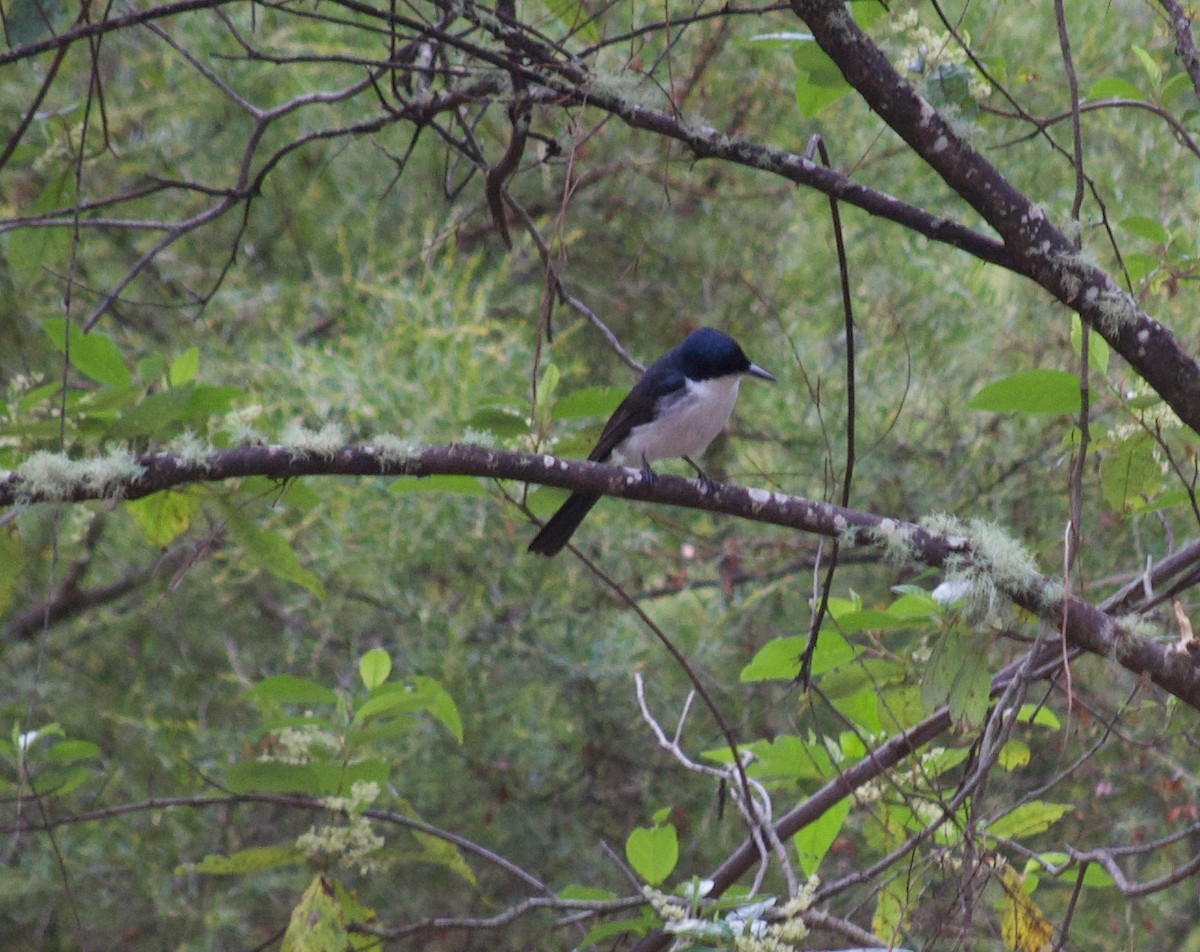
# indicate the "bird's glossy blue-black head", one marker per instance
pixel 707 353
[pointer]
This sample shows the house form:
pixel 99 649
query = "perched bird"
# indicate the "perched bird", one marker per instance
pixel 678 407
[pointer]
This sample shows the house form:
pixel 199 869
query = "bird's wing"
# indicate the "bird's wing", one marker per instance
pixel 639 406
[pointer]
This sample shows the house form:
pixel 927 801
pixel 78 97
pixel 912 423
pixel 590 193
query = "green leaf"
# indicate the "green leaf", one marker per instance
pixel 32 251
pixel 868 14
pixel 12 563
pixel 936 764
pixel 61 781
pixel 434 849
pixel 1144 227
pixel 93 354
pixel 269 776
pixel 67 751
pixel 1097 345
pixel 465 485
pixel 440 704
pixel 1038 714
pixel 1015 753
pixel 873 620
pixel 289 689
pixel 588 402
pixel 150 368
pixel 606 930
pixel 958 675
pixel 159 416
pixel 812 842
pixel 779 659
pixel 1096 876
pixel 1029 819
pixel 1139 264
pixel 30 20
pixel 317 923
pixel 1174 87
pixel 586 893
pixel 164 515
pixel 206 401
pixel 1130 473
pixel 500 419
pixel 1113 88
pixel 819 83
pixel 270 550
pixel 783 759
pixel 184 367
pixel 374 667
pixel 891 910
pixel 1030 391
pixel 356 912
pixel 574 16
pixel 252 860
pixel 423 694
pixel 1152 69
pixel 652 852
pixel 315 779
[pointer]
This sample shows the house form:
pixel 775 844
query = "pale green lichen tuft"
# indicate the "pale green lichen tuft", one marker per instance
pixel 55 476
pixel 301 442
pixel 474 437
pixel 240 425
pixel 1136 627
pixel 1117 309
pixel 192 450
pixel 997 568
pixel 1129 634
pixel 895 540
pixel 392 449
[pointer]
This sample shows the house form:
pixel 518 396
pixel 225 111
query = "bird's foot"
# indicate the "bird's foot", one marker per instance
pixel 707 483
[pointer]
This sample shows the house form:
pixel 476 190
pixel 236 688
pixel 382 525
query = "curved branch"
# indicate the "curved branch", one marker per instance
pixel 1185 45
pixel 1038 250
pixel 56 479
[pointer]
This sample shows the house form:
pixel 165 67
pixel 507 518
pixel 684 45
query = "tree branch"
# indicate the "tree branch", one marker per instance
pixel 1038 250
pixel 56 479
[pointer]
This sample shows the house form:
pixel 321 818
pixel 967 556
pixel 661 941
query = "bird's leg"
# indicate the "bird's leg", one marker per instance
pixel 647 473
pixel 707 482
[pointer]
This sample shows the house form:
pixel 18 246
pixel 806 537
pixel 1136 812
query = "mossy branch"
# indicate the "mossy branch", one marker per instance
pixel 48 478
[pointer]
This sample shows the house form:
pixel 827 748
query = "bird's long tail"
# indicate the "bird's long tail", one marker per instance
pixel 558 530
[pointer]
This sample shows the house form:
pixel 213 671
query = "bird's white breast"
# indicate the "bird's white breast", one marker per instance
pixel 685 425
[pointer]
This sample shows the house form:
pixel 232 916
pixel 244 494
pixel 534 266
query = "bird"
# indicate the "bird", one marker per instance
pixel 680 404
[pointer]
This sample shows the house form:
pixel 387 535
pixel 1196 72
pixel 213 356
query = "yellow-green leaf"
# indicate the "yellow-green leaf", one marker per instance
pixel 374 668
pixel 270 550
pixel 184 367
pixel 251 860
pixel 653 851
pixel 1023 928
pixel 163 516
pixel 318 923
pixel 813 841
pixel 1029 819
pixel 92 354
pixel 1030 391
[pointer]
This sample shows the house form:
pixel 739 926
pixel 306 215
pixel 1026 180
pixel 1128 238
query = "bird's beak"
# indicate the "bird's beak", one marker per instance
pixel 757 371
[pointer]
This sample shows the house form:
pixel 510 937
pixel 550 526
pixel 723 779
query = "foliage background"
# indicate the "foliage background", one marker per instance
pixel 354 292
